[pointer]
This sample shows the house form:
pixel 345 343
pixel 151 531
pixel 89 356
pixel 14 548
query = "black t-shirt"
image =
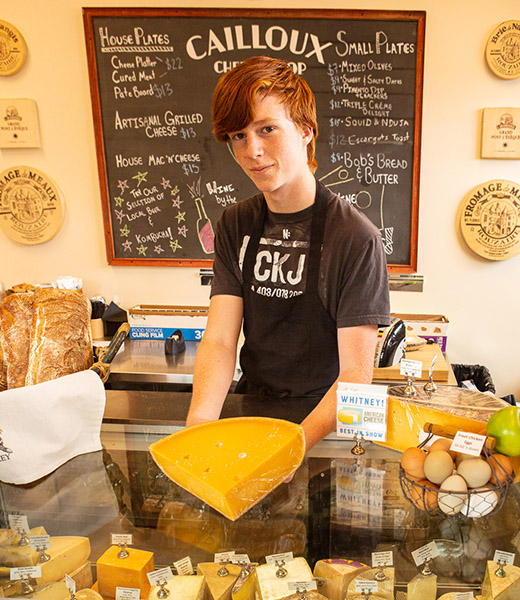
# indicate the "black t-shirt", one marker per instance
pixel 353 275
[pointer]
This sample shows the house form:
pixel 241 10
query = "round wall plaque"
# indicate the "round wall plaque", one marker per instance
pixel 13 49
pixel 490 219
pixel 31 209
pixel 503 50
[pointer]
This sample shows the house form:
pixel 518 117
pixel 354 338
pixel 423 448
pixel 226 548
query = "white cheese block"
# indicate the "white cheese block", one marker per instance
pixel 67 553
pixel 422 587
pixel 187 587
pixel 338 573
pixel 219 587
pixel 501 588
pixel 385 588
pixel 271 587
pixel 14 555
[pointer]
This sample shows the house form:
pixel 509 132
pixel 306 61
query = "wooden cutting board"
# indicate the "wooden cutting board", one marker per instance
pixel 425 354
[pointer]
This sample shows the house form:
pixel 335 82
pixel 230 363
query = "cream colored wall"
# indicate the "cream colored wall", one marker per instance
pixel 481 298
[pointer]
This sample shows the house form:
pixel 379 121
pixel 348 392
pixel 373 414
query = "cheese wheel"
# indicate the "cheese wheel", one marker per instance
pixel 501 588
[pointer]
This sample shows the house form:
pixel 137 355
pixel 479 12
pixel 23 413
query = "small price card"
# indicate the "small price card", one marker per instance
pixel 25 572
pixel 506 558
pixel 382 559
pixel 160 575
pixel 424 553
pixel 70 583
pixel 124 593
pixel 468 443
pixel 184 566
pixel 362 409
pixel 19 523
pixel 118 539
pixel 40 542
pixel 362 586
pixel 239 558
pixel 301 586
pixel 463 596
pixel 221 557
pixel 273 558
pixel 411 368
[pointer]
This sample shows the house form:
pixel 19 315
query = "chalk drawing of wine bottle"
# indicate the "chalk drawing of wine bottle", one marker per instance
pixel 204 226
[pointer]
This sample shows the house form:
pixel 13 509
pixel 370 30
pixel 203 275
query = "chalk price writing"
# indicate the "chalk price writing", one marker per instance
pixel 162 90
pixel 173 63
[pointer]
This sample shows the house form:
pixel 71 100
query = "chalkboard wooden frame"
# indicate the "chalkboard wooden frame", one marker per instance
pixel 411 203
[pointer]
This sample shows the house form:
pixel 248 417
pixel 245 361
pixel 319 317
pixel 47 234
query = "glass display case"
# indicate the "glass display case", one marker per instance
pixel 337 505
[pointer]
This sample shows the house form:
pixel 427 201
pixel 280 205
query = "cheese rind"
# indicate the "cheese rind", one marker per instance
pixel 337 573
pixel 501 588
pixel 271 587
pixel 130 572
pixel 422 587
pixel 187 587
pixel 385 588
pixel 231 464
pixel 66 553
pixel 219 587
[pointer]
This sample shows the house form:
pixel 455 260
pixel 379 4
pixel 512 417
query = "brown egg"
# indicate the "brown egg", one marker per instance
pixel 412 462
pixel 443 444
pixel 438 465
pixel 501 467
pixel 424 495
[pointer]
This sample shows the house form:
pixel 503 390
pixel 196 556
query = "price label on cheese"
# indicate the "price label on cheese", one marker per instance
pixel 382 559
pixel 468 443
pixel 70 583
pixel 160 575
pixel 424 553
pixel 184 566
pixel 25 572
pixel 301 586
pixel 506 558
pixel 123 593
pixel 363 587
pixel 411 368
pixel 118 539
pixel 272 559
pixel 40 542
pixel 362 410
pixel 222 557
pixel 463 596
pixel 240 558
pixel 19 523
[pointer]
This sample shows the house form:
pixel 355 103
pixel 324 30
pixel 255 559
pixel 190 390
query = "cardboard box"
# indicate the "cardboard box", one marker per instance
pixel 158 322
pixel 429 327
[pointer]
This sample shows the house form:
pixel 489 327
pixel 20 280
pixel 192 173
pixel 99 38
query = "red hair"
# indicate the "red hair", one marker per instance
pixel 236 91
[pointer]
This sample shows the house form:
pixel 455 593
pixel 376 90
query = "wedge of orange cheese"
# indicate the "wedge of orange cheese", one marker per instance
pixel 231 464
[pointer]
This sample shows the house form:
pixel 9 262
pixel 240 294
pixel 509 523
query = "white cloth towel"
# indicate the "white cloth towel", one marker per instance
pixel 43 426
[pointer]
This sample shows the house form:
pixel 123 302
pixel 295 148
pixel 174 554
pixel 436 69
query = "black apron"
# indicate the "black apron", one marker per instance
pixel 291 346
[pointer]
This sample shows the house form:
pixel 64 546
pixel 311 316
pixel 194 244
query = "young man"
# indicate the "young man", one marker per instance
pixel 301 269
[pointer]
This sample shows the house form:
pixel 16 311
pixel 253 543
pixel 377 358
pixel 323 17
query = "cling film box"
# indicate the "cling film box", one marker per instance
pixel 429 327
pixel 158 322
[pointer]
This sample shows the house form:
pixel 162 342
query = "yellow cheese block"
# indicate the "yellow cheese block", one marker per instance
pixel 337 573
pixel 66 553
pixel 231 464
pixel 501 588
pixel 244 588
pixel 219 587
pixel 271 587
pixel 385 588
pixel 422 587
pixel 59 591
pixel 183 587
pixel 129 572
pixel 14 555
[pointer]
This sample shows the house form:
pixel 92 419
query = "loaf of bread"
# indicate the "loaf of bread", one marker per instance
pixel 61 341
pixel 16 313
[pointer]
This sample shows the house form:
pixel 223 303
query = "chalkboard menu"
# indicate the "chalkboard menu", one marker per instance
pixel 165 180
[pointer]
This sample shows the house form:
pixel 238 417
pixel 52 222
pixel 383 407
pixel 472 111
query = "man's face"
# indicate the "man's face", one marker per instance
pixel 271 149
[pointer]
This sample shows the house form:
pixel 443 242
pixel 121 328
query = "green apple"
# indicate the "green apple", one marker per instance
pixel 504 426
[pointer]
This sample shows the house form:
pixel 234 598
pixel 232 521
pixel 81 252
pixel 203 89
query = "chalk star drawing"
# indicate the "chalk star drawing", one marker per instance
pixel 176 202
pixel 182 230
pixel 142 249
pixel 141 177
pixel 118 200
pixel 119 215
pixel 158 249
pixel 127 245
pixel 123 185
pixel 125 231
pixel 174 245
pixel 165 183
pixel 180 216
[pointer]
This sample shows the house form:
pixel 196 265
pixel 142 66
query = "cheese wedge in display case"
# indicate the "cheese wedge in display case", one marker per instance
pixel 271 586
pixel 337 573
pixel 59 591
pixel 231 464
pixel 422 587
pixel 66 554
pixel 385 588
pixel 244 587
pixel 14 555
pixel 128 572
pixel 495 587
pixel 185 587
pixel 219 586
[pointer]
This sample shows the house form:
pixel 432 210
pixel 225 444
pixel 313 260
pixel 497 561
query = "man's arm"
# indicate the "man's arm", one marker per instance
pixel 356 364
pixel 215 361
